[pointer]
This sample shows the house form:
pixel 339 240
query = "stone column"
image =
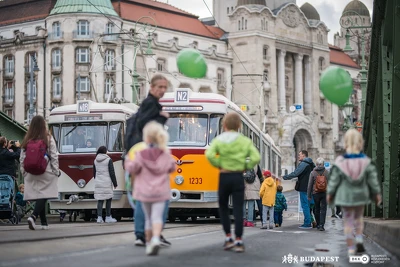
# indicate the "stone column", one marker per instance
pixel 308 86
pixel 281 82
pixel 298 81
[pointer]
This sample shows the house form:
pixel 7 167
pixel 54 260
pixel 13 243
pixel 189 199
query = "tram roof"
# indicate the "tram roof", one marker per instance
pixel 97 107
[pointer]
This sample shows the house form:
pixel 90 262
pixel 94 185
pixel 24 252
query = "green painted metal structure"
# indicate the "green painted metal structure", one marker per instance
pixel 103 7
pixel 10 128
pixel 382 110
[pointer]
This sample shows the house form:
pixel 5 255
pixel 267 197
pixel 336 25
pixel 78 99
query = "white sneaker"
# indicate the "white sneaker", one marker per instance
pixel 44 227
pixel 110 219
pixel 100 219
pixel 31 223
pixel 153 247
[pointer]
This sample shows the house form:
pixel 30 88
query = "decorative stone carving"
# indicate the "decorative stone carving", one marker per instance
pixel 290 16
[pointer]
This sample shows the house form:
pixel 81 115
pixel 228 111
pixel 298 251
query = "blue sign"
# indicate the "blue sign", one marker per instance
pixel 298 107
pixel 327 165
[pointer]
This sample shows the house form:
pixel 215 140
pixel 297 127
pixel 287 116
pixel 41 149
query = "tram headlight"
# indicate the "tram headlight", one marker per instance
pixel 81 183
pixel 179 179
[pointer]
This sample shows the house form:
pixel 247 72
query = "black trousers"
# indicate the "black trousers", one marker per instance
pixel 40 210
pixel 231 184
pixel 100 207
pixel 320 208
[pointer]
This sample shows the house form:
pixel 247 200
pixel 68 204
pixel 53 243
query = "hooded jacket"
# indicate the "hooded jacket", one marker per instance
pixel 233 149
pixel 353 181
pixel 7 161
pixel 302 172
pixel 151 168
pixel 311 181
pixel 104 175
pixel 268 192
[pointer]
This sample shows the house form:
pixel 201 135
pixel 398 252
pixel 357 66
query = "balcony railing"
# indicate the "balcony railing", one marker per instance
pixel 9 72
pixel 55 36
pixel 78 35
pixel 109 38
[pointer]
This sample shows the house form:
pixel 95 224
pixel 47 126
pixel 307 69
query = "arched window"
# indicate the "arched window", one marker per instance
pixel 321 63
pixel 262 24
pixel 265 52
pixel 356 20
pixel 227 10
pixel 265 75
pixel 286 81
pixel 245 23
pixel 239 25
pixel 266 25
pixel 242 23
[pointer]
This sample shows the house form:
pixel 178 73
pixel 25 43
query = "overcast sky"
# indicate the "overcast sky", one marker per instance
pixel 329 10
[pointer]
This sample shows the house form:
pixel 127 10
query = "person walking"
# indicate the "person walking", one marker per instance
pixel 353 182
pixel 151 168
pixel 280 205
pixel 317 185
pixel 251 194
pixel 236 153
pixel 39 167
pixel 150 110
pixel 302 172
pixel 105 180
pixel 268 195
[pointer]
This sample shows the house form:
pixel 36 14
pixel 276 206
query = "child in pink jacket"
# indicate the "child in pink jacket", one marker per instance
pixel 151 168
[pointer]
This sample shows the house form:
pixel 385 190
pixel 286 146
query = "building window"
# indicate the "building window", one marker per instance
pixel 56 30
pixel 323 140
pixel 108 88
pixel 220 78
pixel 322 108
pixel 239 25
pixel 321 63
pixel 57 87
pixel 9 92
pixel 265 52
pixel 286 81
pixel 28 90
pixel 245 24
pixel 266 26
pixel 242 23
pixel 83 28
pixel 31 57
pixel 161 64
pixel 265 75
pixel 56 58
pixel 109 59
pixel 9 65
pixel 83 84
pixel 363 20
pixel 227 10
pixel 232 9
pixel 9 112
pixel 109 28
pixel 82 55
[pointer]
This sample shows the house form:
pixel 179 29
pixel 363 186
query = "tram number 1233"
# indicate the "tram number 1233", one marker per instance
pixel 195 180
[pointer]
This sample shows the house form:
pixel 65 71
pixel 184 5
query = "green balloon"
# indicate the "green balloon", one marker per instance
pixel 336 85
pixel 191 63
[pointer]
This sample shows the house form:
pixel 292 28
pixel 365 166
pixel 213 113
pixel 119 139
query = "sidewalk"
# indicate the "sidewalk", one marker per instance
pixel 384 232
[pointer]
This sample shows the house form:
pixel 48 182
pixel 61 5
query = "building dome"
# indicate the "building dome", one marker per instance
pixel 251 2
pixel 310 12
pixel 356 6
pixel 83 6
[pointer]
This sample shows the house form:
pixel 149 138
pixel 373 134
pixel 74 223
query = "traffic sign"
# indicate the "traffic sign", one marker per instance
pixel 298 107
pixel 244 107
pixel 327 165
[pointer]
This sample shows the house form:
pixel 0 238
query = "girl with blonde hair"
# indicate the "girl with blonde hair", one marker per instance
pixel 151 168
pixel 353 181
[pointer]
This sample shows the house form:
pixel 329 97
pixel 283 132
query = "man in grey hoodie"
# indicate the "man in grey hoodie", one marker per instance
pixel 302 172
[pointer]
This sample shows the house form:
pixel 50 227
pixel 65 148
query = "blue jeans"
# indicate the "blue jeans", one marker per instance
pixel 140 219
pixel 278 217
pixel 306 208
pixel 265 215
pixel 250 210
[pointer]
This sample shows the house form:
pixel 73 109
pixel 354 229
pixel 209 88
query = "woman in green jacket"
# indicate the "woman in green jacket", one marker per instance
pixel 352 184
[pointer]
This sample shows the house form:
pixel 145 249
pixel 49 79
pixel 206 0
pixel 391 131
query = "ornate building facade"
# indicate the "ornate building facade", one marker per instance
pixel 279 51
pixel 87 51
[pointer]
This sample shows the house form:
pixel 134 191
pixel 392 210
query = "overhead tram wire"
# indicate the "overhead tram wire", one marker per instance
pixel 248 74
pixel 129 35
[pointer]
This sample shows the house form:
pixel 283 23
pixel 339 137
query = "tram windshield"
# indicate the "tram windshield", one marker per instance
pixel 82 137
pixel 187 129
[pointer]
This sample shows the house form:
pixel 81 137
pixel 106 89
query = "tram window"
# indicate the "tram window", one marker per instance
pixel 187 129
pixel 55 131
pixel 274 162
pixel 215 126
pixel 115 139
pixel 266 156
pixel 74 137
pixel 279 166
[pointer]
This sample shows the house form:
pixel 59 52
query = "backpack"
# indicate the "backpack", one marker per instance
pixel 130 137
pixel 321 183
pixel 249 176
pixel 35 162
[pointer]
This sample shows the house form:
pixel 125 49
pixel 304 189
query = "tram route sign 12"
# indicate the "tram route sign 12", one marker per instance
pixel 182 95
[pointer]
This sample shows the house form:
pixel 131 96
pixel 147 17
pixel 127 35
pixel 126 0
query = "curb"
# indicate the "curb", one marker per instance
pixel 386 233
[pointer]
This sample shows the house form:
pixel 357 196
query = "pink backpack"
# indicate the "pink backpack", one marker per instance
pixel 35 162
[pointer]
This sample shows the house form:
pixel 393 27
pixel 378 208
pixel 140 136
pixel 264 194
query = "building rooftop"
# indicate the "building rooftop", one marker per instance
pixel 339 57
pixel 356 6
pixel 84 6
pixel 251 2
pixel 310 12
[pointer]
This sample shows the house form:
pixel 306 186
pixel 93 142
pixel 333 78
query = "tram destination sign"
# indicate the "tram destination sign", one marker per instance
pixel 69 118
pixel 182 95
pixel 83 107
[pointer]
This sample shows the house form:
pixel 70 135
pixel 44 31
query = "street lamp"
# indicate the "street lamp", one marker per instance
pixel 33 68
pixel 349 24
pixel 347 110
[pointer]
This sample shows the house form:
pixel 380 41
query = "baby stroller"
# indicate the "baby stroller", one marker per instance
pixel 7 197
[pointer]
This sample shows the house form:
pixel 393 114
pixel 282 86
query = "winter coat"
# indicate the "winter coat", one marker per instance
pixel 353 181
pixel 104 176
pixel 280 202
pixel 7 161
pixel 268 192
pixel 302 172
pixel 252 191
pixel 151 168
pixel 233 149
pixel 43 186
pixel 318 171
